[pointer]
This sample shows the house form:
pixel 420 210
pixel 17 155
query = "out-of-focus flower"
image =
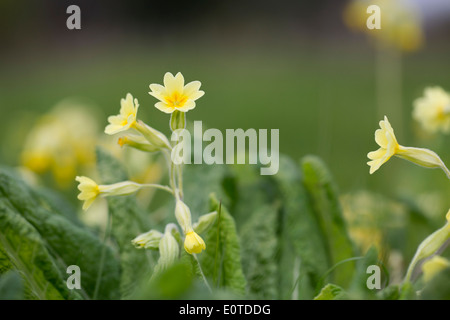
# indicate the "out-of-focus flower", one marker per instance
pixel 432 110
pixel 174 95
pixel 389 147
pixel 433 266
pixel 401 25
pixel 90 190
pixel 126 118
pixel 57 144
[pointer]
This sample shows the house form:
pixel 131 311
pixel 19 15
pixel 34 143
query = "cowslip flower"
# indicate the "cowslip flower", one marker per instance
pixel 432 110
pixel 389 147
pixel 193 243
pixel 126 117
pixel 174 95
pixel 90 190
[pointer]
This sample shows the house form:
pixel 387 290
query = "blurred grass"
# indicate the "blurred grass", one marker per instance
pixel 321 97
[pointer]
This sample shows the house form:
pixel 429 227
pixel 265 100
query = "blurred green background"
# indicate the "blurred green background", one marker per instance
pixel 292 66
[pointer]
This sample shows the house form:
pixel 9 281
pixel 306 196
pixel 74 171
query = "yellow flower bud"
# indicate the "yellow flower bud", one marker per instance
pixel 193 243
pixel 433 266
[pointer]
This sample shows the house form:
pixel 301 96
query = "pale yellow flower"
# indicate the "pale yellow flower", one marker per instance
pixel 90 190
pixel 432 110
pixel 56 144
pixel 126 118
pixel 193 243
pixel 387 141
pixel 389 147
pixel 174 95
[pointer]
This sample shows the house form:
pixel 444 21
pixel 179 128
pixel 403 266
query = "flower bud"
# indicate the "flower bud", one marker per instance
pixel 430 245
pixel 169 249
pixel 148 240
pixel 193 243
pixel 433 266
pixel 205 222
pixel 183 215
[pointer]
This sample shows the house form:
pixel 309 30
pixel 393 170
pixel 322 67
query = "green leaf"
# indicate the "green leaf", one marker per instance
pixel 332 292
pixel 303 258
pixel 27 252
pixel 221 261
pixel 259 252
pixel 68 243
pixel 11 286
pixel 127 223
pixel 325 202
pixel 358 287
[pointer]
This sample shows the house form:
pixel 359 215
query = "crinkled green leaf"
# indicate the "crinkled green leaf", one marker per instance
pixel 325 203
pixel 67 242
pixel 221 261
pixel 303 258
pixel 259 252
pixel 28 254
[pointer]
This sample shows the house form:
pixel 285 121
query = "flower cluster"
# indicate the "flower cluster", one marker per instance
pixel 175 98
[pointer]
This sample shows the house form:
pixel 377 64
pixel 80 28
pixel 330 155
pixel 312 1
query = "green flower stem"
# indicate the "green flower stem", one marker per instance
pixel 158 186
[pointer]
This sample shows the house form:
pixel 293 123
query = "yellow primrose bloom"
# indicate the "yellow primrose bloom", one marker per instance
pixel 174 95
pixel 90 189
pixel 126 118
pixel 432 110
pixel 387 141
pixel 389 147
pixel 193 243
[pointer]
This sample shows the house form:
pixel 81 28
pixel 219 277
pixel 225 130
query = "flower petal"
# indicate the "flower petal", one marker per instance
pixel 174 84
pixel 164 107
